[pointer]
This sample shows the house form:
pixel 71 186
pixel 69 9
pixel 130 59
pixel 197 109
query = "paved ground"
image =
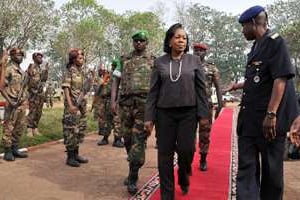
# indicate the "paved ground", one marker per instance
pixel 44 176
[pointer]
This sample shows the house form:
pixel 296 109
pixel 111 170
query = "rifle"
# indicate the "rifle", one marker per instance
pixel 105 81
pixel 87 85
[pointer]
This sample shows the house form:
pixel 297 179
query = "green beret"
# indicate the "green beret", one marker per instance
pixel 141 34
pixel 115 62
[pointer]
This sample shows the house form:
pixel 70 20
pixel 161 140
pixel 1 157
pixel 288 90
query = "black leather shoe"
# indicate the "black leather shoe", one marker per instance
pixel 184 189
pixel 203 166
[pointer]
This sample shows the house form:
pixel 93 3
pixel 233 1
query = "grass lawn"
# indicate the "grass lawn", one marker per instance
pixel 51 128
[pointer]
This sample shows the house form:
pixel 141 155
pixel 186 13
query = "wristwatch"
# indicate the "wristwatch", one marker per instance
pixel 271 114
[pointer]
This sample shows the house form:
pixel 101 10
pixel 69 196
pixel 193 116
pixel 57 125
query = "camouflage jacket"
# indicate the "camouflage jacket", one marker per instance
pixel 14 77
pixel 135 73
pixel 50 91
pixel 212 73
pixel 37 78
pixel 73 79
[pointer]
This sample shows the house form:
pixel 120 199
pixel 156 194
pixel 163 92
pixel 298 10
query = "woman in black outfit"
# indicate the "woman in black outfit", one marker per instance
pixel 175 103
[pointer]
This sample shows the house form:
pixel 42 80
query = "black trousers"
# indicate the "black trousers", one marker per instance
pixel 176 131
pixel 260 170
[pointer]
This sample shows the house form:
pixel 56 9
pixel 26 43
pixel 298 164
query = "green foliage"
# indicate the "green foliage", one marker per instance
pixel 102 34
pixel 25 22
pixel 221 32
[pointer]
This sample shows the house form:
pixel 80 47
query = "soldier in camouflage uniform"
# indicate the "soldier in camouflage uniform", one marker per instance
pixel 75 116
pixel 13 84
pixel 212 78
pixel 107 122
pixel 134 76
pixel 37 79
pixel 49 93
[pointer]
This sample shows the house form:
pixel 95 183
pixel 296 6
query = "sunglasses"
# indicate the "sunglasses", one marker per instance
pixel 139 40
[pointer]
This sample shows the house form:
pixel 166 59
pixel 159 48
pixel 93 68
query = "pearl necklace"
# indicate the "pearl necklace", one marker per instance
pixel 177 75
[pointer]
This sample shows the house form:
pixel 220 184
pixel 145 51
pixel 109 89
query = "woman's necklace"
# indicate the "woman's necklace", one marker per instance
pixel 178 74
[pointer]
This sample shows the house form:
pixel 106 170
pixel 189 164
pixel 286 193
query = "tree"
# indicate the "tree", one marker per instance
pixel 221 32
pixel 102 34
pixel 25 23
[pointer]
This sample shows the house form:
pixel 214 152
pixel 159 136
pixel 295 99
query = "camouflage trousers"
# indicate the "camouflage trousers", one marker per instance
pixel 14 125
pixel 36 103
pixel 49 102
pixel 74 127
pixel 132 125
pixel 107 122
pixel 204 133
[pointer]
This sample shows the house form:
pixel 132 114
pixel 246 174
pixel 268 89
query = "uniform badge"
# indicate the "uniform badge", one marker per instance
pixel 256 79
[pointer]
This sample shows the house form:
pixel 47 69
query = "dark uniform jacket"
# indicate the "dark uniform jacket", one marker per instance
pixel 189 90
pixel 267 61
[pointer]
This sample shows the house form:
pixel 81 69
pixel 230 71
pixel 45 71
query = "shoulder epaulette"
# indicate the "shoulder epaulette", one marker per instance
pixel 273 35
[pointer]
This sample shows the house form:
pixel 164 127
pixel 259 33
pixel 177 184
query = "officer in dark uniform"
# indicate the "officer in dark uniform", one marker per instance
pixel 268 107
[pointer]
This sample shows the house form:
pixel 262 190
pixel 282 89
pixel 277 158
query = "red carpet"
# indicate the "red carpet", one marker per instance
pixel 214 183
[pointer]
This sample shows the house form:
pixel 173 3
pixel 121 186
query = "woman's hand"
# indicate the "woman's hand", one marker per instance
pixel 148 126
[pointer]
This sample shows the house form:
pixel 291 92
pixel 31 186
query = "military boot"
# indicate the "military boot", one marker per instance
pixel 79 158
pixel 104 141
pixel 8 155
pixel 17 153
pixel 71 161
pixel 203 162
pixel 118 143
pixel 132 180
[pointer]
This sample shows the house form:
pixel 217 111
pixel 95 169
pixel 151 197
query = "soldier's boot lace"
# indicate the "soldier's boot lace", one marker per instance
pixel 8 156
pixel 16 153
pixel 184 189
pixel 203 162
pixel 79 158
pixel 71 161
pixel 104 141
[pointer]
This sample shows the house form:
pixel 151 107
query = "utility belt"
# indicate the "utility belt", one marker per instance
pixel 132 99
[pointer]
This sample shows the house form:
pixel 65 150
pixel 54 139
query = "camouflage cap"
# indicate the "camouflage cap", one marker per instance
pixel 141 34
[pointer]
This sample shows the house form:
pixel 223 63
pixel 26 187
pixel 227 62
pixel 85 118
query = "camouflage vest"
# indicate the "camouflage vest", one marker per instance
pixel 136 74
pixel 211 72
pixel 14 82
pixel 73 78
pixel 34 84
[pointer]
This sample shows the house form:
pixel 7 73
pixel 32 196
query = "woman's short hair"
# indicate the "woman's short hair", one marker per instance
pixel 170 33
pixel 73 54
